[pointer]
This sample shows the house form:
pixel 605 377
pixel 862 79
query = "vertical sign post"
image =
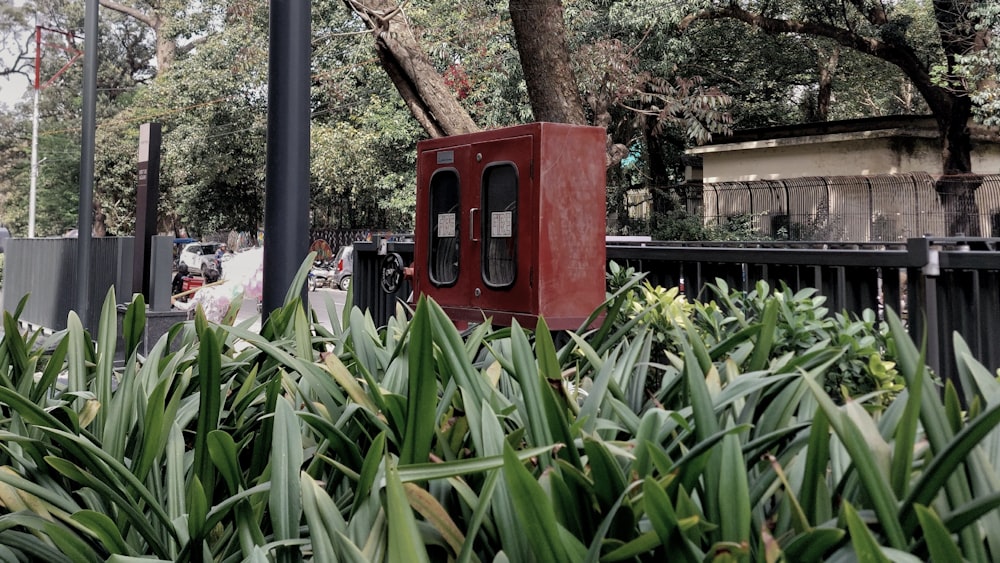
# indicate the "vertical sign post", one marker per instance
pixel 147 197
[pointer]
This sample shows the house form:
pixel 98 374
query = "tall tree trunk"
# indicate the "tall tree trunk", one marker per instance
pixel 957 187
pixel 421 86
pixel 167 48
pixel 541 42
pixel 827 69
pixel 656 168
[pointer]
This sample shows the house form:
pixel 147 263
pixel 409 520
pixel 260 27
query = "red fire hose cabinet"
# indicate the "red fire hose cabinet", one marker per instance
pixel 510 224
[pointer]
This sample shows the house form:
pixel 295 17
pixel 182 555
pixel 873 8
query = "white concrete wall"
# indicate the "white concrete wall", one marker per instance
pixel 845 158
pixel 832 155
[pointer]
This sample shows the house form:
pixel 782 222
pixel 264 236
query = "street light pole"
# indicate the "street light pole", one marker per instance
pixel 33 194
pixel 86 211
pixel 286 198
pixel 34 166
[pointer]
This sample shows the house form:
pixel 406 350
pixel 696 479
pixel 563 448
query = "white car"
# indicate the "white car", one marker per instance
pixel 195 255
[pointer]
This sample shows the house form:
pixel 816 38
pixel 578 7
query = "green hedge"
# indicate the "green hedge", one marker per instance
pixel 638 440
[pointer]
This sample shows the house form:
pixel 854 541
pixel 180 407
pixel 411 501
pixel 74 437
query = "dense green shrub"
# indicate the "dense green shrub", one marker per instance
pixel 801 325
pixel 416 442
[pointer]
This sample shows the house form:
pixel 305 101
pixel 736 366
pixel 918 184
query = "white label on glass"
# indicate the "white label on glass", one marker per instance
pixel 502 224
pixel 446 225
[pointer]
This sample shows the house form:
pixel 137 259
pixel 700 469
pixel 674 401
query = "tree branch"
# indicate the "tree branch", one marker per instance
pixel 187 47
pixel 150 21
pixel 875 13
pixel 902 56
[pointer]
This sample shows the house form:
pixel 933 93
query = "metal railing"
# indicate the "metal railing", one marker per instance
pixel 883 207
pixel 939 285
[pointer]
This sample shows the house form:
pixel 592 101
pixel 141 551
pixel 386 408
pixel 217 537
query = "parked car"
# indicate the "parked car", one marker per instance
pixel 199 255
pixel 343 267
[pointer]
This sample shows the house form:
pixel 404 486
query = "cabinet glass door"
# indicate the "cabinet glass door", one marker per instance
pixel 505 216
pixel 445 236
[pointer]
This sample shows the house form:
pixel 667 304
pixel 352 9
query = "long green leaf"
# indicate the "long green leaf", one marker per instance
pixel 939 541
pixel 452 350
pixel 111 473
pixel 405 543
pixel 875 482
pixel 107 338
pixel 421 390
pixel 222 450
pixel 104 529
pixel 134 324
pixel 299 280
pixel 526 372
pixel 369 471
pixel 814 492
pixel 608 477
pixel 197 503
pixel 936 429
pixel 303 334
pixel 320 535
pixel 444 470
pixel 35 548
pixel 71 543
pixel 176 503
pixel 946 461
pixel 210 387
pixel 906 437
pixel 765 340
pixel 159 416
pixel 492 442
pixel 52 368
pixel 734 494
pixel 285 501
pixel 129 507
pixel 534 510
pixel 29 411
pixel 813 545
pixel 866 547
pixel 663 518
pixel 706 424
pixel 77 372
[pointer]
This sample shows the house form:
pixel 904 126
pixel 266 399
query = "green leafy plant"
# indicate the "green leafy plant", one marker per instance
pixel 419 442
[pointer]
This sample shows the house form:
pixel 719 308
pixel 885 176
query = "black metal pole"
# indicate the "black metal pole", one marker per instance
pixel 85 224
pixel 286 203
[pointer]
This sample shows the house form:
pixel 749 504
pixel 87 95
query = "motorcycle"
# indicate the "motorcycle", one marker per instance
pixel 321 275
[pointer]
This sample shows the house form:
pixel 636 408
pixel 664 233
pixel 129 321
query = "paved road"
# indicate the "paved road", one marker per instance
pixel 317 301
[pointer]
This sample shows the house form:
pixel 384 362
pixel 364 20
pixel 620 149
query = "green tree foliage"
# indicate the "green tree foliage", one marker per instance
pixel 124 62
pixel 656 90
pixel 926 54
pixel 359 165
pixel 981 66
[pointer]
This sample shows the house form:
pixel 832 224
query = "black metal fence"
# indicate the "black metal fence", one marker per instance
pixel 45 270
pixel 939 285
pixel 886 207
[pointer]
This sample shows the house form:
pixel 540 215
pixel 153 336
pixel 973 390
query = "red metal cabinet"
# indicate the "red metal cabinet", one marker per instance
pixel 510 224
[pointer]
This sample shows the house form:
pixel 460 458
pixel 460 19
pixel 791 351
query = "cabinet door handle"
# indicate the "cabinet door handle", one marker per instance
pixel 472 224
